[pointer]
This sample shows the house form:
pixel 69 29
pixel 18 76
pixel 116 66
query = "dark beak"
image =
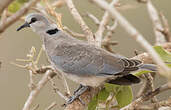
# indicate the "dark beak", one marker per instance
pixel 23 26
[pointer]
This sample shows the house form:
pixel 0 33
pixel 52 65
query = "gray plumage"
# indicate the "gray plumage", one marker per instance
pixel 80 61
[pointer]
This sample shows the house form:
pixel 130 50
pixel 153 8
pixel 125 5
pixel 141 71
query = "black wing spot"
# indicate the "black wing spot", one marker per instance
pixel 52 31
pixel 125 80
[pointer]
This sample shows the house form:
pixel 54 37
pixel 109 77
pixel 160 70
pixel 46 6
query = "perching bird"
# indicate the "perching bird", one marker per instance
pixel 81 62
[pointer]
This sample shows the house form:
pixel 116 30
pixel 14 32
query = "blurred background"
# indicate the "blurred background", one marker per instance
pixel 13 45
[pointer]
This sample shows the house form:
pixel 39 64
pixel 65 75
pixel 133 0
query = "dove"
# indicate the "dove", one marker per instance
pixel 84 63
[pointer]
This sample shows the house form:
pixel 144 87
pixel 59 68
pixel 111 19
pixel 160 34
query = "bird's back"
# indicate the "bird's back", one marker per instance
pixel 78 57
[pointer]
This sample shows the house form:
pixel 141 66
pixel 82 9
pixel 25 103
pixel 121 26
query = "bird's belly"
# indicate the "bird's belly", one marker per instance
pixel 93 81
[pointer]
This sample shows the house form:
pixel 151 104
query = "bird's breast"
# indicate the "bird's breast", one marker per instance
pixel 93 81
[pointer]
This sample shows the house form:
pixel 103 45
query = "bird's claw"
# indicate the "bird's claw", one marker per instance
pixel 76 95
pixel 72 99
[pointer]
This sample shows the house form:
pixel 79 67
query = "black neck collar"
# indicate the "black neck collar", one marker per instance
pixel 52 31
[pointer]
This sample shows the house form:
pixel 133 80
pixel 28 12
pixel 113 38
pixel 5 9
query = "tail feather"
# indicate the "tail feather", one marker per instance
pixel 150 67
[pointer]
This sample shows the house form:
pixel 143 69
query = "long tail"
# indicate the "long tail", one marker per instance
pixel 131 79
pixel 150 67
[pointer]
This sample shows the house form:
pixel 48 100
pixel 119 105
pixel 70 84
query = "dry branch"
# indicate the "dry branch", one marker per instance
pixel 79 19
pixel 102 25
pixel 166 31
pixel 154 15
pixel 4 4
pixel 52 105
pixel 36 90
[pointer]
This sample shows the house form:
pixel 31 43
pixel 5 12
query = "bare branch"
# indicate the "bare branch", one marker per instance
pixel 4 4
pixel 160 38
pixel 74 34
pixel 56 90
pixel 58 3
pixel 150 85
pixel 52 105
pixel 78 18
pixel 110 31
pixel 36 90
pixel 166 30
pixel 94 18
pixel 36 107
pixel 103 23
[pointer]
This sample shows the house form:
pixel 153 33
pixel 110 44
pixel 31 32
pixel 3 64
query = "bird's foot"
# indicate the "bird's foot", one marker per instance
pixel 77 94
pixel 79 87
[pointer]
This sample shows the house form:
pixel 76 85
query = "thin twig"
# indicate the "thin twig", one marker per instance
pixel 52 105
pixel 4 4
pixel 111 31
pixel 79 19
pixel 66 84
pixel 36 107
pixel 160 38
pixel 150 84
pixel 94 18
pixel 103 23
pixel 166 27
pixel 35 91
pixel 58 3
pixel 31 83
pixel 74 34
pixel 52 12
pixel 57 90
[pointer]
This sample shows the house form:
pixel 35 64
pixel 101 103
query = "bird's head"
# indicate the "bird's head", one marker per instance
pixel 36 21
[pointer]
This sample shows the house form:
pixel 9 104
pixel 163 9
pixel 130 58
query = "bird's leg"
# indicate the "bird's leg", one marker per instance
pixel 77 94
pixel 79 87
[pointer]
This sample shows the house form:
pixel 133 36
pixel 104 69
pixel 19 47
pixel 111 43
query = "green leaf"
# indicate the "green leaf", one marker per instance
pixel 92 105
pixel 111 87
pixel 103 95
pixel 166 56
pixel 14 7
pixel 124 96
pixel 141 72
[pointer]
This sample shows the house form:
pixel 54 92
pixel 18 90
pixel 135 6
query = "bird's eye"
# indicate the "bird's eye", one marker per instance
pixel 33 20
